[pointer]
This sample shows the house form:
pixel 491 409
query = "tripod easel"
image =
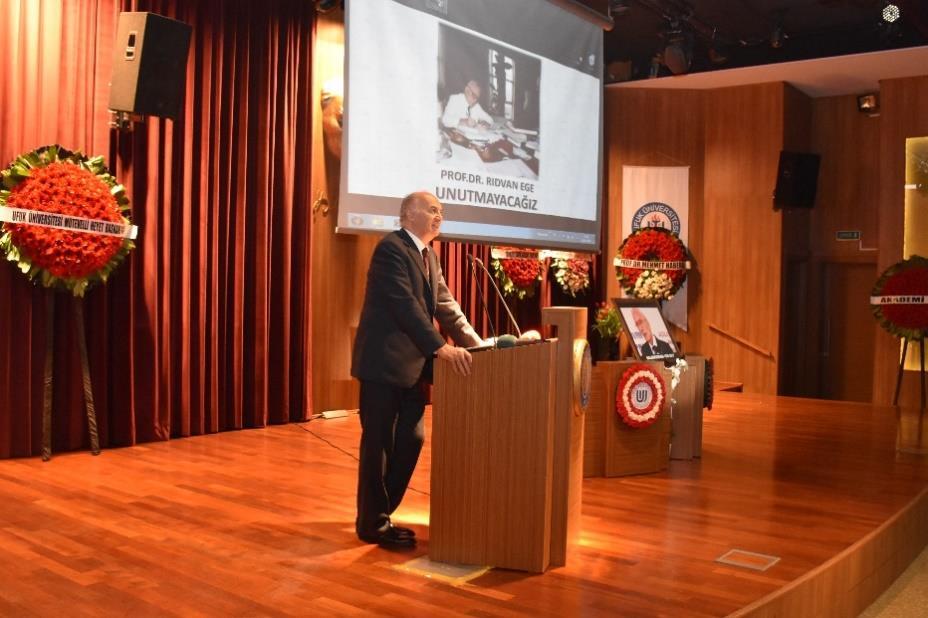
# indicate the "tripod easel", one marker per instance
pixel 905 347
pixel 49 367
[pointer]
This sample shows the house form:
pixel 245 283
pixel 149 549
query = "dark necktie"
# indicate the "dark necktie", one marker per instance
pixel 425 262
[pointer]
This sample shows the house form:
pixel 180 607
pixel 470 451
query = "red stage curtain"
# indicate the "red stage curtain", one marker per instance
pixel 206 326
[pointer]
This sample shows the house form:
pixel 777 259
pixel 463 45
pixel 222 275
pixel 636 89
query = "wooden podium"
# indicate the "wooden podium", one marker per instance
pixel 505 486
pixel 612 448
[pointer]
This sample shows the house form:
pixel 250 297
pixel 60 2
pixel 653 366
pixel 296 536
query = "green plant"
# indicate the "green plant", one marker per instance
pixel 608 323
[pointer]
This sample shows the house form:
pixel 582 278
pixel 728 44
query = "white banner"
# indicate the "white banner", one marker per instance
pixel 659 197
pixel 67 222
pixel 899 300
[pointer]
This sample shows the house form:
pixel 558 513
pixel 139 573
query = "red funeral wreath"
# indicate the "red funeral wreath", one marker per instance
pixel 651 263
pixel 639 398
pixel 900 298
pixel 63 184
pixel 518 275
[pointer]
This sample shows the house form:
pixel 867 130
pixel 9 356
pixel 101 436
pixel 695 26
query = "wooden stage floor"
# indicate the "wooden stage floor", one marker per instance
pixel 260 522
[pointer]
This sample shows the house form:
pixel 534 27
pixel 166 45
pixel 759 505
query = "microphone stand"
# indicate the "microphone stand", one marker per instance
pixel 499 294
pixel 483 302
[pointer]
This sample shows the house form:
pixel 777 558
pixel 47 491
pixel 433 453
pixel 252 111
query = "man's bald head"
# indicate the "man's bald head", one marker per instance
pixel 421 214
pixel 641 323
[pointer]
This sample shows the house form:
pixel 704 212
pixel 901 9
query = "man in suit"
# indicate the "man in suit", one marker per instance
pixel 652 346
pixel 392 358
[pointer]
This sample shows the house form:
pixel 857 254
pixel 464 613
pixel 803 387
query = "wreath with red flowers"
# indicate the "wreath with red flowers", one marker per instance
pixel 651 263
pixel 899 299
pixel 639 398
pixel 518 276
pixel 77 193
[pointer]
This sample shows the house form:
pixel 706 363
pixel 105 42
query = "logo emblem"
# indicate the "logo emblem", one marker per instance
pixel 640 395
pixel 656 214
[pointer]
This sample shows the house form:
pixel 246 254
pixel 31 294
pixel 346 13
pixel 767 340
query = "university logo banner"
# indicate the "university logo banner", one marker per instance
pixel 658 197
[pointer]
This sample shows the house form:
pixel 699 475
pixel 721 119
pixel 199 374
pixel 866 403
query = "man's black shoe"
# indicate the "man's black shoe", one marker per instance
pixel 391 539
pixel 404 531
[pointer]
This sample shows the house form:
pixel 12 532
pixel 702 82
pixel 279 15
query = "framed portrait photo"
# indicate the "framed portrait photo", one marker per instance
pixel 646 328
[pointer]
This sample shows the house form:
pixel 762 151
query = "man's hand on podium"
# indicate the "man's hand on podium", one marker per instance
pixel 530 335
pixel 460 358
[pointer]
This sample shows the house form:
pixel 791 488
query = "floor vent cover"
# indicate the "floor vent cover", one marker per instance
pixel 748 559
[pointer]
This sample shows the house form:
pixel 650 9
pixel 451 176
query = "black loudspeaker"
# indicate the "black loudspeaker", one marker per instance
pixel 149 65
pixel 797 180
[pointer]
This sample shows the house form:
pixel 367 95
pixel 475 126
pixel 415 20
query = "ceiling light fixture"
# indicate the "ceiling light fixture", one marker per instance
pixel 717 52
pixel 619 8
pixel 891 13
pixel 324 6
pixel 778 35
pixel 678 48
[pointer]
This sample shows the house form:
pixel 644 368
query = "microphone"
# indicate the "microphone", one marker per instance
pixel 499 294
pixel 483 302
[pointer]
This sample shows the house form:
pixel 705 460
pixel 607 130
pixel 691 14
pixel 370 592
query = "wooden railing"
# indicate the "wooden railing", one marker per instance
pixel 742 341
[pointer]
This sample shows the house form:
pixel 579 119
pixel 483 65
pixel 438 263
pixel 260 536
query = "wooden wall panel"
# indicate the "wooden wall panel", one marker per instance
pixel 848 184
pixel 902 103
pixel 655 127
pixel 340 261
pixel 827 327
pixel 797 330
pixel 741 265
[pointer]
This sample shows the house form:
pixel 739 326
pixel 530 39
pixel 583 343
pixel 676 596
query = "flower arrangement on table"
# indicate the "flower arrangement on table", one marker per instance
pixel 572 274
pixel 518 270
pixel 899 299
pixel 607 323
pixel 652 263
pixel 47 193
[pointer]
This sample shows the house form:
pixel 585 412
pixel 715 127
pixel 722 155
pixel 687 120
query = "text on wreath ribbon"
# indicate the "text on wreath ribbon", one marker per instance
pixel 69 223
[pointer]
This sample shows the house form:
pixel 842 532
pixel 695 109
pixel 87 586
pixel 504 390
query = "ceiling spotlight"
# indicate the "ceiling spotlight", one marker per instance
pixel 654 67
pixel 891 13
pixel 778 35
pixel 619 8
pixel 324 6
pixel 717 52
pixel 677 57
pixel 678 49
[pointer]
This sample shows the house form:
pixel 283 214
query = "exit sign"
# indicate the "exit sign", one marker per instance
pixel 847 235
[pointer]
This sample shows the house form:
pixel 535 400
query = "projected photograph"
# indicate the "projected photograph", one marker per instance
pixel 488 95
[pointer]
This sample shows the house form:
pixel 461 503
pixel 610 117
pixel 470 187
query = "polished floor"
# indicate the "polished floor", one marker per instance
pixel 260 522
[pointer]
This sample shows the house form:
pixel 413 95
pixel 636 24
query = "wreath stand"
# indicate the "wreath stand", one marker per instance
pixel 905 347
pixel 49 366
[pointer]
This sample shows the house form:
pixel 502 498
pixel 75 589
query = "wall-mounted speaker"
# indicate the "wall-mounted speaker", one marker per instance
pixel 149 65
pixel 797 180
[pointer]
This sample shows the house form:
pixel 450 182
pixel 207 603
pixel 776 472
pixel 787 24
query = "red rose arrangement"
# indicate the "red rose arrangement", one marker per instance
pixel 59 182
pixel 651 263
pixel 517 275
pixel 900 298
